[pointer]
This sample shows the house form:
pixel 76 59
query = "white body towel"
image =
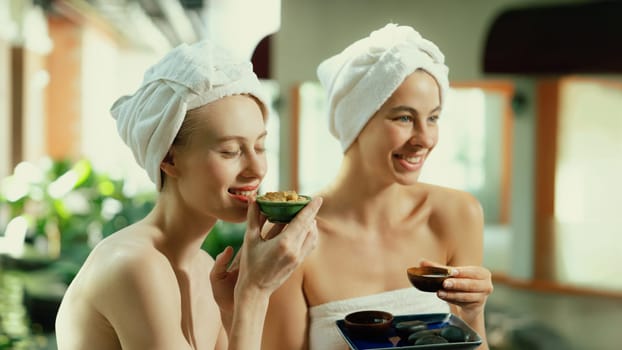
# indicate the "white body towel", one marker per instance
pixel 323 333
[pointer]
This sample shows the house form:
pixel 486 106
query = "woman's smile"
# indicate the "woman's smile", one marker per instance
pixel 410 162
pixel 243 193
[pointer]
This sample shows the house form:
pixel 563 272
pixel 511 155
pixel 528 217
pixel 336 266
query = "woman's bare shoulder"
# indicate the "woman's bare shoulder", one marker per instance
pixel 458 218
pixel 453 210
pixel 450 200
pixel 122 259
pixel 132 244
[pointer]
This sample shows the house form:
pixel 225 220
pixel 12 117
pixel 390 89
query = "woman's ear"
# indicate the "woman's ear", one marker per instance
pixel 168 164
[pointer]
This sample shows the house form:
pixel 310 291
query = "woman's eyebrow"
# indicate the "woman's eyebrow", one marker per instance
pixel 411 110
pixel 239 137
pixel 404 109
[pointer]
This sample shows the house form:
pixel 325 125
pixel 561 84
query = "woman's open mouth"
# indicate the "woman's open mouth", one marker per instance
pixel 243 193
pixel 410 162
pixel 409 159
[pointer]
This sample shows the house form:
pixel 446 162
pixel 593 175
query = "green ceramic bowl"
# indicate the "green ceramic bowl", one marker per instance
pixel 281 212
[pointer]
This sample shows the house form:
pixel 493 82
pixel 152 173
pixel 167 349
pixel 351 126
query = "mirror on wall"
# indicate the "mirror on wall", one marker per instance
pixel 473 153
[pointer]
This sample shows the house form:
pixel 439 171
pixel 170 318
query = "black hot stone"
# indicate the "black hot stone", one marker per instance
pixel 431 339
pixel 406 328
pixel 453 333
pixel 420 334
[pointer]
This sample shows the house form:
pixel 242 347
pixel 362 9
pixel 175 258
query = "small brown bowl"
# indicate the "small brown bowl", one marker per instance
pixel 368 323
pixel 428 278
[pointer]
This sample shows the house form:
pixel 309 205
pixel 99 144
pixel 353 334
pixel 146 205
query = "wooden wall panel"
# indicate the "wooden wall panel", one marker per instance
pixel 547 124
pixel 63 94
pixel 17 105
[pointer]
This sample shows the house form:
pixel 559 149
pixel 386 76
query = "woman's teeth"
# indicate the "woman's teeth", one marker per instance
pixel 242 193
pixel 412 160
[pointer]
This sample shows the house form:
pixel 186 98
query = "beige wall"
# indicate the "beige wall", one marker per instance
pixel 311 30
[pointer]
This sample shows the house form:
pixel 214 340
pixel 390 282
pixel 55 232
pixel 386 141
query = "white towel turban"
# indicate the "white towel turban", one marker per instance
pixel 188 77
pixel 365 74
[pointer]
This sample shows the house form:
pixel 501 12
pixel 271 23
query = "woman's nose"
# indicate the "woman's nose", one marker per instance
pixel 255 166
pixel 423 136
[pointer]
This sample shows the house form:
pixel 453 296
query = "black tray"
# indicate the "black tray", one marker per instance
pixel 391 341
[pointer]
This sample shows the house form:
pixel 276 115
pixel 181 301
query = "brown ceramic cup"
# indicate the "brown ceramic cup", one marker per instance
pixel 428 278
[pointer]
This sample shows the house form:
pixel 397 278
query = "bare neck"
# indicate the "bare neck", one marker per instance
pixel 181 230
pixel 363 197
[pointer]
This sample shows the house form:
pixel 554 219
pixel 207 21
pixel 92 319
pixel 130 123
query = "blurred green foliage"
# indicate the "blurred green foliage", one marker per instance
pixel 72 202
pixel 68 207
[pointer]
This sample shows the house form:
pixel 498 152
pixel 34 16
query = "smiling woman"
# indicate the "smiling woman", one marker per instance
pixel 385 93
pixel 196 125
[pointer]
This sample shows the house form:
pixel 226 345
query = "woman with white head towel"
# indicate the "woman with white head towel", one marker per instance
pixel 197 127
pixel 385 97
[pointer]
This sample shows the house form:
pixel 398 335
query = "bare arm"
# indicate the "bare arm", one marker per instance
pixel 471 283
pixel 248 319
pixel 286 314
pixel 264 265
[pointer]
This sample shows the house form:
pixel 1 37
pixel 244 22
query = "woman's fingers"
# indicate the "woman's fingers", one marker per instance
pixel 461 298
pixel 465 291
pixel 219 270
pixel 274 230
pixel 253 220
pixel 468 285
pixel 470 272
pixel 268 261
pixel 471 281
pixel 474 272
pixel 235 264
pixel 303 222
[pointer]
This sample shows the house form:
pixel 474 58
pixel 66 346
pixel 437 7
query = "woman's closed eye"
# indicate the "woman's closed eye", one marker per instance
pixel 231 153
pixel 238 152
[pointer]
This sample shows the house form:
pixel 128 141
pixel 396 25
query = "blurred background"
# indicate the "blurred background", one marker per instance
pixel 533 128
